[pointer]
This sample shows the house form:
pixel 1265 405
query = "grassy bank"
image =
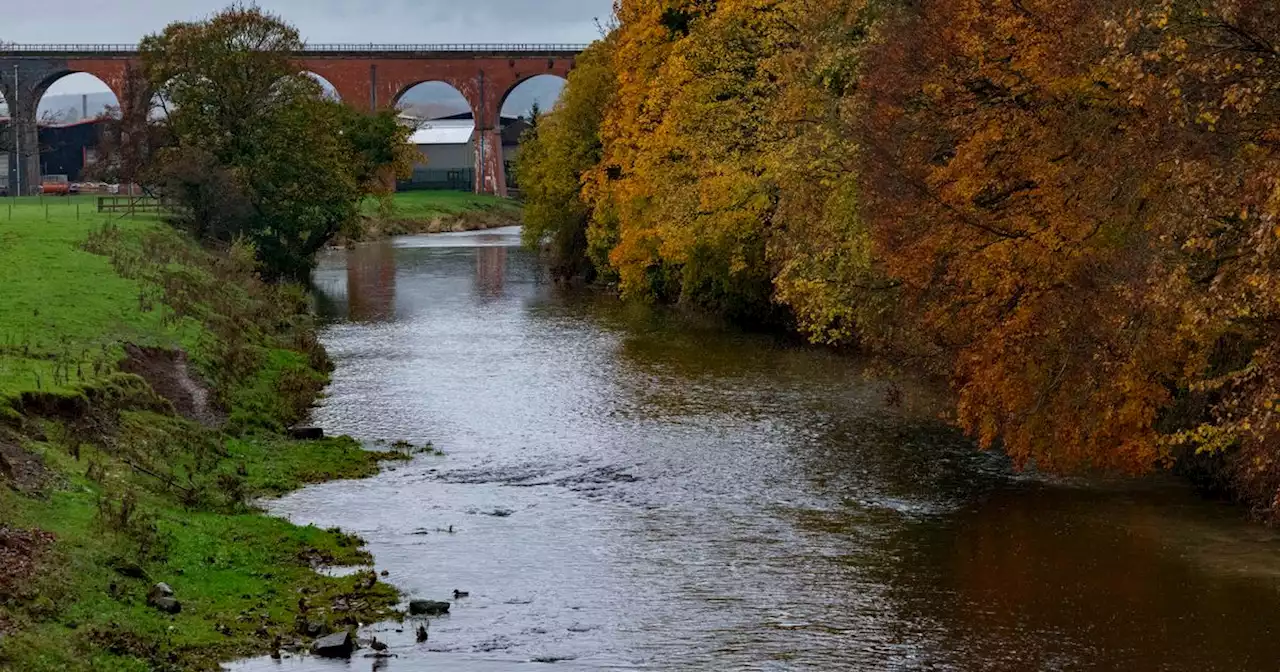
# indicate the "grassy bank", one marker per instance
pixel 144 383
pixel 413 212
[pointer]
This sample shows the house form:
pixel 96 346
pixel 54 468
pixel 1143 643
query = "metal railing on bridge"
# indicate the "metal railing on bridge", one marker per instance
pixel 371 47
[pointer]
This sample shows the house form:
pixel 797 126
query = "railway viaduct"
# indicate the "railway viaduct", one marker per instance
pixel 366 76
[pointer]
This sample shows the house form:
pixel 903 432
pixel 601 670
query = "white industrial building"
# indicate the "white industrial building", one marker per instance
pixel 448 150
pixel 446 144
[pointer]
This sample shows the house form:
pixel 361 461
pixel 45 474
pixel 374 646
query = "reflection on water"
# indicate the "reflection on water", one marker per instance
pixel 491 270
pixel 638 490
pixel 365 289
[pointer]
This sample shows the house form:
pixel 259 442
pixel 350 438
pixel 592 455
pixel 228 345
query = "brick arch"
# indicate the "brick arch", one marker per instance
pixel 369 84
pixel 500 78
pixel 365 79
pixel 555 68
pixel 117 74
pixel 454 84
pixel 350 79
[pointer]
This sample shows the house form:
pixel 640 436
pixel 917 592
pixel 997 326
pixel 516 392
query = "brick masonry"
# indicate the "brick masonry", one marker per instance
pixel 364 80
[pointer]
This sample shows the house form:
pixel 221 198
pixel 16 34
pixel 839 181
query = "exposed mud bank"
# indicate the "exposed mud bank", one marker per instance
pixel 169 375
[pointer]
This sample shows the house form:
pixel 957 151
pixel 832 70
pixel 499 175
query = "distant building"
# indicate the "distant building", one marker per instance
pixel 65 149
pixel 70 149
pixel 446 144
pixel 448 149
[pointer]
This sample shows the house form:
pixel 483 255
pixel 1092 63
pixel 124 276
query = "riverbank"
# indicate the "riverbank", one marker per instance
pixel 418 212
pixel 145 385
pixel 630 488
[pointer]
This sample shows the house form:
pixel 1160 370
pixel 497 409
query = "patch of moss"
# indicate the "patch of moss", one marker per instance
pixel 276 466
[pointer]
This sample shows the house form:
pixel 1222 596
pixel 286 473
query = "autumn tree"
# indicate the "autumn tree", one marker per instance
pixel 825 269
pixel 556 153
pixel 1203 79
pixel 683 185
pixel 1003 194
pixel 1068 208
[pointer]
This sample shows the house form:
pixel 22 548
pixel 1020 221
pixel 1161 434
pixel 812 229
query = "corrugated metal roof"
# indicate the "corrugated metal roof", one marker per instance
pixel 443 133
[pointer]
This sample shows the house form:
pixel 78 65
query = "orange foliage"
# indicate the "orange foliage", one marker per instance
pixel 1204 77
pixel 1069 207
pixel 1005 194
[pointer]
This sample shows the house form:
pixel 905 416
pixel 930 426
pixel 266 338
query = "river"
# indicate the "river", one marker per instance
pixel 638 490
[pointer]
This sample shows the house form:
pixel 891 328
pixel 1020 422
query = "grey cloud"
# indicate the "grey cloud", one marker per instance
pixel 320 21
pixel 328 20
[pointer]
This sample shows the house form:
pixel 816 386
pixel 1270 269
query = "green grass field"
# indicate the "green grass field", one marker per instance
pixel 64 312
pixel 65 317
pixel 234 573
pixel 427 205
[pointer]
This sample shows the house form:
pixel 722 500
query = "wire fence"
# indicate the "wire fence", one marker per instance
pixel 495 48
pixel 132 204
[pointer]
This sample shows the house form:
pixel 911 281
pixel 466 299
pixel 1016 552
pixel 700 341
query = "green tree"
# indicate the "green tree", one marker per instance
pixel 382 154
pixel 256 152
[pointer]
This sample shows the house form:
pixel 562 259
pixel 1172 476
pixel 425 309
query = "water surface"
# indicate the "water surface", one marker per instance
pixel 643 491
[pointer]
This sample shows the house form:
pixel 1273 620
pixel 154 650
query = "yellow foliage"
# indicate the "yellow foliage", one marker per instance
pixel 1068 207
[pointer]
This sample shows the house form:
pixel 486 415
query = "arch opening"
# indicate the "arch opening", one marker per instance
pixel 75 97
pixel 433 100
pixel 159 107
pixel 541 92
pixel 444 135
pixel 72 111
pixel 327 90
pixel 535 95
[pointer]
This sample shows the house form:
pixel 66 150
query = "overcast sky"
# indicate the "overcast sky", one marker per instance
pixel 411 21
